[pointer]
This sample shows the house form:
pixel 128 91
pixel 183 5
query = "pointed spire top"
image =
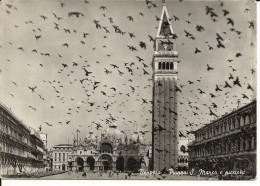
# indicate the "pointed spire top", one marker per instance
pixel 165 27
pixel 164 3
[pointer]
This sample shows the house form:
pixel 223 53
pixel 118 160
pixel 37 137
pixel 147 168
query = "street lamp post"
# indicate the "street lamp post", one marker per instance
pixel 77 137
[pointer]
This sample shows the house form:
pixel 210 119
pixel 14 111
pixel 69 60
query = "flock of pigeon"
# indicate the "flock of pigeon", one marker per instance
pixel 101 72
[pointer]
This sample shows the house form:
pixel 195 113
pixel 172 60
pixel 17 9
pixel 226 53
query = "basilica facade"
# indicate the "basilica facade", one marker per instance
pixel 114 151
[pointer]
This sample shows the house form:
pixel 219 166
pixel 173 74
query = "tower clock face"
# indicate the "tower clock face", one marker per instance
pixel 165 46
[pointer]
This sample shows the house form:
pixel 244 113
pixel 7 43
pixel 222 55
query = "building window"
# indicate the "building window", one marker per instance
pixel 250 143
pixel 234 123
pixel 159 65
pixel 171 65
pixel 244 145
pixel 163 66
pixel 238 123
pixel 254 141
pixel 242 121
pixel 253 118
pixel 238 145
pixel 247 120
pixel 167 65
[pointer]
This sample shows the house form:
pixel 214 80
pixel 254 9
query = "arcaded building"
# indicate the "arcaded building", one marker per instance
pixel 183 155
pixel 21 148
pixel 228 143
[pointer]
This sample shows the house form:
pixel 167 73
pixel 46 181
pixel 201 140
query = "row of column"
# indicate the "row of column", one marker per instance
pixel 231 165
pixel 248 141
pixel 97 166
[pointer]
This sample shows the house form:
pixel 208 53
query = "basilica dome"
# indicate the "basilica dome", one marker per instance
pixel 90 137
pixel 113 133
pixel 136 137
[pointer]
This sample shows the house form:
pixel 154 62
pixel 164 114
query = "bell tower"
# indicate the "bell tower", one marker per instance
pixel 165 130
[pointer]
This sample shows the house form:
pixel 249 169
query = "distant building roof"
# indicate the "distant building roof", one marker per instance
pixel 63 145
pixel 9 111
pixel 226 115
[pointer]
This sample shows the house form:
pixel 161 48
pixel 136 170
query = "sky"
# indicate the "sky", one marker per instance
pixel 60 97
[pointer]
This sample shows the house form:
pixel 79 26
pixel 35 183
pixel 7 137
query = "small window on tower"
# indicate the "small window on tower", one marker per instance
pixel 167 66
pixel 171 65
pixel 163 67
pixel 160 65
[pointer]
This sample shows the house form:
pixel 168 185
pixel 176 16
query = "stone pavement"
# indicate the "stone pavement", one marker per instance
pixel 121 176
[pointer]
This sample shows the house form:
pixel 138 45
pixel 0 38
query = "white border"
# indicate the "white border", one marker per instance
pixel 149 182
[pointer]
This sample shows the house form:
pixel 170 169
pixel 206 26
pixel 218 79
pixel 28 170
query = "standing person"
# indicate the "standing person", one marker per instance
pixel 126 175
pixel 117 173
pixel 129 174
pixel 220 177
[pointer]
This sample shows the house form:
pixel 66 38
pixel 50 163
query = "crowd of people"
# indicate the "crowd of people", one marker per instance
pixel 32 174
pixel 100 173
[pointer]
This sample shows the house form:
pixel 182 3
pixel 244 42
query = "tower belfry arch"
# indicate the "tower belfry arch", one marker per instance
pixel 165 128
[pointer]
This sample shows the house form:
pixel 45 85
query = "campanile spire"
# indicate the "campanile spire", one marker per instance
pixel 165 27
pixel 164 3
